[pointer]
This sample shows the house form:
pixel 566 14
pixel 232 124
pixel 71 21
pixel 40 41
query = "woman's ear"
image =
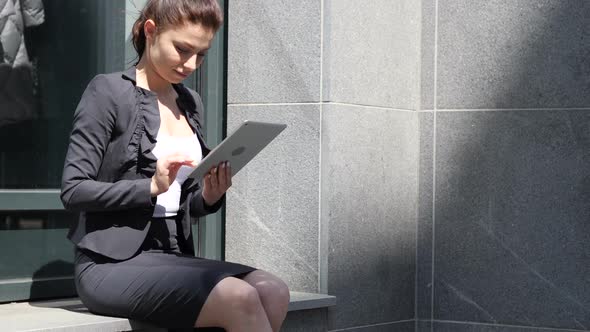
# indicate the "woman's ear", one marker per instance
pixel 149 28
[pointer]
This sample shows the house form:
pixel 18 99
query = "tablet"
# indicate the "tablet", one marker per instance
pixel 239 147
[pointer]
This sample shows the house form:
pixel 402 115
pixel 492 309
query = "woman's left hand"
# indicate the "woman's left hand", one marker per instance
pixel 216 183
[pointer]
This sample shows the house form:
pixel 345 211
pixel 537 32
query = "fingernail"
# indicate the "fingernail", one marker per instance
pixel 222 165
pixel 215 170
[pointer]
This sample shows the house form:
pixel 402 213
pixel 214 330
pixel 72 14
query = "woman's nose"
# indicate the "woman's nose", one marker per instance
pixel 192 64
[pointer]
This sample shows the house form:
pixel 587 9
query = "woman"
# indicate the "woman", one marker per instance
pixel 136 136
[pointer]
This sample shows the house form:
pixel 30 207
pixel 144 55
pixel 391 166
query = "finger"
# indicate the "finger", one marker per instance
pixel 222 178
pixel 189 163
pixel 228 174
pixel 193 163
pixel 214 182
pixel 173 170
pixel 207 183
pixel 179 160
pixel 166 161
pixel 187 160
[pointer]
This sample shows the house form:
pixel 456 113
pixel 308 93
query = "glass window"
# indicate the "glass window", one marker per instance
pixel 46 61
pixel 36 261
pixel 42 82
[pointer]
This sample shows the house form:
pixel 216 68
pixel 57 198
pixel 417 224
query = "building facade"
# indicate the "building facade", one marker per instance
pixel 434 175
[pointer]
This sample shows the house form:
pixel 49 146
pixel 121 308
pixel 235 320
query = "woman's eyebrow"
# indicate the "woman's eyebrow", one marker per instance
pixel 191 46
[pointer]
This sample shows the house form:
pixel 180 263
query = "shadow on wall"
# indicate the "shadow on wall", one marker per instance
pixel 53 280
pixel 513 187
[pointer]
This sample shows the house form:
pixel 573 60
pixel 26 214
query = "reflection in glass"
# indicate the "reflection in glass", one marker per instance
pixel 49 51
pixel 57 54
pixel 18 100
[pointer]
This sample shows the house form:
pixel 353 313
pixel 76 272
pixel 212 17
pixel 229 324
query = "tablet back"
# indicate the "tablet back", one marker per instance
pixel 239 147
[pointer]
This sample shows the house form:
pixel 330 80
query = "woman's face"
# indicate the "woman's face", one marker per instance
pixel 176 52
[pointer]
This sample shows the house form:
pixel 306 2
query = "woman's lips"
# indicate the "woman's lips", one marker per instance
pixel 181 74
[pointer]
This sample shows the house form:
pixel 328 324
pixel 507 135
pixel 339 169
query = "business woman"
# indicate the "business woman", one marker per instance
pixel 136 136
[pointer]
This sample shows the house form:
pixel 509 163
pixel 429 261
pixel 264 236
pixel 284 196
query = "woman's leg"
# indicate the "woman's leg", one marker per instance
pixel 274 295
pixel 234 305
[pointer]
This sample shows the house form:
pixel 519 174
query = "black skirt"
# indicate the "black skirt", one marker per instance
pixel 165 288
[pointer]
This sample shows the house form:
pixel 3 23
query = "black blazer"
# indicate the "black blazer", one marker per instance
pixel 109 165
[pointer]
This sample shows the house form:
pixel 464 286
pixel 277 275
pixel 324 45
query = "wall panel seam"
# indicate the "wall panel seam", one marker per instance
pixel 273 104
pixel 322 226
pixel 534 328
pixel 511 109
pixel 435 105
pixel 373 325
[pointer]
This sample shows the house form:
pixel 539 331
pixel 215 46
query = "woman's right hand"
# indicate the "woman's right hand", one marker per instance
pixel 166 170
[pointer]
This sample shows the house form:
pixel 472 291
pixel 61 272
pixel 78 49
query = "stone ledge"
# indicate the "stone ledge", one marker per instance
pixel 306 301
pixel 70 315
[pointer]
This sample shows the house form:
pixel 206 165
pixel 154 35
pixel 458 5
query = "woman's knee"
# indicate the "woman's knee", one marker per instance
pixel 276 291
pixel 271 289
pixel 243 297
pixel 230 302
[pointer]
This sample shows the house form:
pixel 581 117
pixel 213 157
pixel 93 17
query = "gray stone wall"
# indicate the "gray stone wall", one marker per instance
pixel 369 161
pixel 274 69
pixel 434 174
pixel 330 206
pixel 504 210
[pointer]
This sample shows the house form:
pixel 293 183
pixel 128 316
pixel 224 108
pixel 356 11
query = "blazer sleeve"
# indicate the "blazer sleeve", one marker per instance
pixel 93 123
pixel 200 209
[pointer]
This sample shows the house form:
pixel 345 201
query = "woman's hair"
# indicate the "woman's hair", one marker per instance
pixel 171 13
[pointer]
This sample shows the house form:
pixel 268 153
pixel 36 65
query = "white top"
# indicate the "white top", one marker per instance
pixel 167 203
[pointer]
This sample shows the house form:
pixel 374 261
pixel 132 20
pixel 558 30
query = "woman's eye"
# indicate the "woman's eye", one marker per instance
pixel 181 50
pixel 201 54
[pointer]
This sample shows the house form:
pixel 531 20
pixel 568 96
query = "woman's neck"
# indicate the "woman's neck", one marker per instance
pixel 149 79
